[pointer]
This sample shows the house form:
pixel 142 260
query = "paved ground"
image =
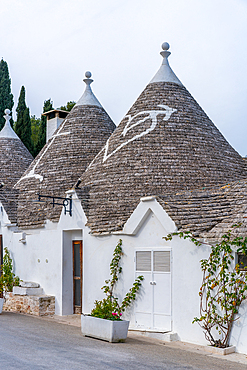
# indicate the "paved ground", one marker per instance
pixel 31 343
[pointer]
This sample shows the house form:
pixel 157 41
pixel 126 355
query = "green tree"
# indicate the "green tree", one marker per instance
pixel 23 123
pixel 20 112
pixel 68 106
pixel 35 127
pixel 6 98
pixel 27 140
pixel 42 129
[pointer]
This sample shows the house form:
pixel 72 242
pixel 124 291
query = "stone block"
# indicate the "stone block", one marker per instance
pixel 29 284
pixel 17 290
pixel 34 305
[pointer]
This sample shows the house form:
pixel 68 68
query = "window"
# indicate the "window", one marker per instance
pixel 242 260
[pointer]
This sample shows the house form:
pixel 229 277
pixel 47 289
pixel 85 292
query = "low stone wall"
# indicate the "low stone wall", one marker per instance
pixel 34 305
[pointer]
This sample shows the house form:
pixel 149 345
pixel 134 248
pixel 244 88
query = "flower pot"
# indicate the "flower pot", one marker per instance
pixel 1 304
pixel 109 330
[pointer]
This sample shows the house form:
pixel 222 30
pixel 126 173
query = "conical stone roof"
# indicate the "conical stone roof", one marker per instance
pixel 14 160
pixel 14 156
pixel 64 157
pixel 165 143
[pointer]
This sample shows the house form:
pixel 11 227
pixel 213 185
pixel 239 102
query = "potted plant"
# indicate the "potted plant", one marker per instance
pixel 7 277
pixel 105 321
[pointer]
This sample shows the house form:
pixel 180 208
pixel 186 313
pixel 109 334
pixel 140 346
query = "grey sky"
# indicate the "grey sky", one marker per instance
pixel 50 44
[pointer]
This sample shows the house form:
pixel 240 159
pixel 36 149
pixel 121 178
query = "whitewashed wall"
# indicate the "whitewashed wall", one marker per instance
pixel 185 266
pixel 145 229
pixel 46 256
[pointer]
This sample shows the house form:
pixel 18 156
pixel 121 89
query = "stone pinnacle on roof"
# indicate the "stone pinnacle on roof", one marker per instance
pixel 165 73
pixel 88 97
pixel 7 130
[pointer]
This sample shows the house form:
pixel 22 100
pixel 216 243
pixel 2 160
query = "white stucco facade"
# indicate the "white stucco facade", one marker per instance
pixel 46 258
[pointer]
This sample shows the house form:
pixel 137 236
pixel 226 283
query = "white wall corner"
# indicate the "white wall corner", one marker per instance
pixel 78 219
pixel 147 206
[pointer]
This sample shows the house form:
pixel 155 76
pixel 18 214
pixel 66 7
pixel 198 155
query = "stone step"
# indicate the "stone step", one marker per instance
pixel 169 336
pixel 17 290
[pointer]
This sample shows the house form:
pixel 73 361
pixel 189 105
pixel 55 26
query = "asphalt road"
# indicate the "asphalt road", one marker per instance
pixel 30 343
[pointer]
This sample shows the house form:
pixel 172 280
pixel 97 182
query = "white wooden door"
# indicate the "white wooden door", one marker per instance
pixel 153 306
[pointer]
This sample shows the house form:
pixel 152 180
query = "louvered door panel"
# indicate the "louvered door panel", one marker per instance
pixel 143 311
pixel 143 261
pixel 161 261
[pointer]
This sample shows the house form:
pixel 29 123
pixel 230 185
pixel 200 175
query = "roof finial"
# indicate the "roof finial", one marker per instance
pixel 165 73
pixel 88 98
pixel 7 130
pixel 7 116
pixel 165 46
pixel 88 80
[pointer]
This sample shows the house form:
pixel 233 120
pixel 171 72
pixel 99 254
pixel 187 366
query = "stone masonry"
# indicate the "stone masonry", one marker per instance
pixel 34 305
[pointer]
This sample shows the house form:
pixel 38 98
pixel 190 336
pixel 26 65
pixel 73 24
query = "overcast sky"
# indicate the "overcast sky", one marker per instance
pixel 49 44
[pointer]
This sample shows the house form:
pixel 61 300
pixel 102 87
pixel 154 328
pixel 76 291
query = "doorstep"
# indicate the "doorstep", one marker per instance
pixel 168 336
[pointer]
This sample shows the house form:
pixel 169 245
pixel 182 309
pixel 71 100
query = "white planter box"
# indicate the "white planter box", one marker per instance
pixel 1 304
pixel 220 351
pixel 111 331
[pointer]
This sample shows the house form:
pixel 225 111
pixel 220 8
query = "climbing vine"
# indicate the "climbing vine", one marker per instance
pixel 224 286
pixel 109 308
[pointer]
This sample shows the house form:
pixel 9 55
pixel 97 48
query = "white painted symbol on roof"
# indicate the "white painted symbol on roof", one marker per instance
pixel 31 173
pixel 152 114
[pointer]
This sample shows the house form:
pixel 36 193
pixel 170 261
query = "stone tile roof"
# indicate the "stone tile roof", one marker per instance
pixel 165 144
pixel 209 213
pixel 66 155
pixel 149 155
pixel 14 160
pixel 8 198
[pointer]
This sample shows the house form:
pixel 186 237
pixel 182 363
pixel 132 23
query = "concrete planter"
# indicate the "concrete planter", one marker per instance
pixel 111 331
pixel 220 351
pixel 1 304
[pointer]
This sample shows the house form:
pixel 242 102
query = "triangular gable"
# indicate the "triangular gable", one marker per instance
pixel 147 206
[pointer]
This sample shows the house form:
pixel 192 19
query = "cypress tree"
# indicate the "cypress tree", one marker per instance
pixel 6 98
pixel 27 131
pixel 42 129
pixel 23 123
pixel 19 125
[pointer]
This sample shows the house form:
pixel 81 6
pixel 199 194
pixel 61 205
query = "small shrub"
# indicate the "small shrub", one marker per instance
pixel 109 308
pixel 7 278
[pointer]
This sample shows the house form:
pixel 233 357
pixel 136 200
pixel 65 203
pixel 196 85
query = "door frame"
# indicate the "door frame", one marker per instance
pixel 81 272
pixel 154 249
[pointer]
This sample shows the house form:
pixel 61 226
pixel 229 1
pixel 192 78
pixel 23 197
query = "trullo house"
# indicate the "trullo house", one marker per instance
pixel 37 240
pixel 166 167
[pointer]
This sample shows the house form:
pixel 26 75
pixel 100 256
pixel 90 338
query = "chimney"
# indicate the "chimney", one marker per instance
pixel 54 118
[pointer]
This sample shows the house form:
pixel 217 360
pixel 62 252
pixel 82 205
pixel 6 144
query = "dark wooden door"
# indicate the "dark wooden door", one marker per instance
pixel 77 276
